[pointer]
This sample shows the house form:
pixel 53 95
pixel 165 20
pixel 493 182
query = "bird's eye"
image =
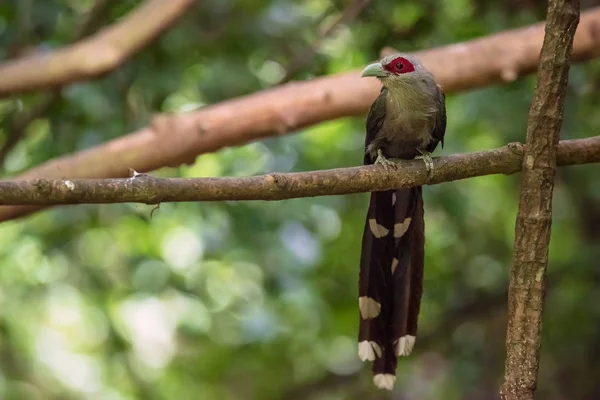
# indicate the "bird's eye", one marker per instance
pixel 399 66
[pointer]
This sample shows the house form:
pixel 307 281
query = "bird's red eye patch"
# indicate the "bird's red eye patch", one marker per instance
pixel 399 65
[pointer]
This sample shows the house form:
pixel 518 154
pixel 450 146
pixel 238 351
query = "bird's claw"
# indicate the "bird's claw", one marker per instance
pixel 381 160
pixel 428 160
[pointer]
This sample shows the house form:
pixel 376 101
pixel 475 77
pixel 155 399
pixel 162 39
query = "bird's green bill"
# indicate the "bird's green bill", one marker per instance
pixel 373 70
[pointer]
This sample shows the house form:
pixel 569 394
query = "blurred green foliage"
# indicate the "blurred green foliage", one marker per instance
pixel 257 300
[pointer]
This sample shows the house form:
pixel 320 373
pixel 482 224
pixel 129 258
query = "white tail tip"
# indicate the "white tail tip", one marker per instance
pixel 368 350
pixel 404 345
pixel 384 381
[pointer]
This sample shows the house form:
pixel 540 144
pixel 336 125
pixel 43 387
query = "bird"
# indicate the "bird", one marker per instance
pixel 406 121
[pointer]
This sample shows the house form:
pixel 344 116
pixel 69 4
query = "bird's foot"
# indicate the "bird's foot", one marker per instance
pixel 381 160
pixel 428 160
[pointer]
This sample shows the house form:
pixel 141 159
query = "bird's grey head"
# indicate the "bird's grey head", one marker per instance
pixel 396 68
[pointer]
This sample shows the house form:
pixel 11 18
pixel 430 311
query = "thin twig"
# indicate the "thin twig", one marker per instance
pixel 20 46
pixel 94 18
pixel 534 218
pixel 144 188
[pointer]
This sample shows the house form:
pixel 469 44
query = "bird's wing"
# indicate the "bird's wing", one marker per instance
pixel 375 121
pixel 439 128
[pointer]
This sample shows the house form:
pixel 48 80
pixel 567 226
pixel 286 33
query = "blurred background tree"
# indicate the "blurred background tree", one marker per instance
pixel 257 300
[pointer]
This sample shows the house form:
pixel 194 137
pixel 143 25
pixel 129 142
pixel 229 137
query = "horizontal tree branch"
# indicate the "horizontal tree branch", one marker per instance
pixel 143 188
pixel 94 56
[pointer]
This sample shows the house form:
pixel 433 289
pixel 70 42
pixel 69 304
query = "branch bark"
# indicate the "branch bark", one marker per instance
pixel 534 218
pixel 176 139
pixel 143 188
pixel 94 56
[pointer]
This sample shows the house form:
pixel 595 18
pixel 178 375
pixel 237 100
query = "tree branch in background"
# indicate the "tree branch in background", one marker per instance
pixel 303 58
pixel 95 56
pixel 534 218
pixel 175 139
pixel 143 188
pixel 22 120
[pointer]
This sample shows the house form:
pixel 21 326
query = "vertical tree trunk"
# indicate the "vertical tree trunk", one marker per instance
pixel 534 218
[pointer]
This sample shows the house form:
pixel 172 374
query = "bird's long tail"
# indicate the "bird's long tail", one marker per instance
pixel 390 280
